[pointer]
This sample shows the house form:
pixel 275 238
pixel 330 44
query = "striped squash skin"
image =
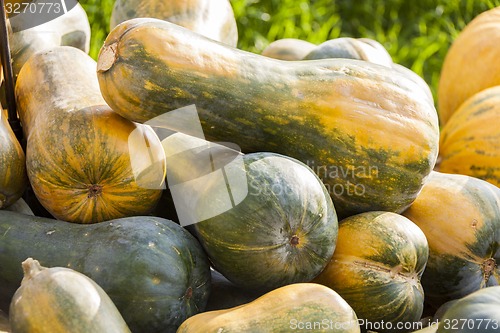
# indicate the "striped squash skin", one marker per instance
pixel 211 18
pixel 470 140
pixel 13 179
pixel 471 64
pixel 370 133
pixel 460 216
pixel 80 153
pixel 377 265
pixel 154 271
pixel 279 311
pixel 61 300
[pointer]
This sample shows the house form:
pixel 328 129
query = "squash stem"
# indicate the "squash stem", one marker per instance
pixel 31 268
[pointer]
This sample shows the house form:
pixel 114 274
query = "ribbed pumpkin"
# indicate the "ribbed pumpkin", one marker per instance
pixel 376 268
pixel 61 300
pixel 352 48
pixel 271 223
pixel 288 49
pixel 369 132
pixel 470 140
pixel 460 216
pixel 471 64
pixel 13 179
pixel 211 18
pixel 301 306
pixel 85 162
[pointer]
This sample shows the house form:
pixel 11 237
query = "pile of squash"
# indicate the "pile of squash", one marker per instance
pixel 180 184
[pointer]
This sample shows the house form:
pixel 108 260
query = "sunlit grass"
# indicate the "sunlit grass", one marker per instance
pixel 416 34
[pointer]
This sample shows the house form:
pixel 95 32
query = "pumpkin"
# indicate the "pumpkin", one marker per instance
pixel 376 268
pixel 13 179
pixel 270 223
pixel 288 49
pixel 470 140
pixel 415 78
pixel 300 306
pixel 477 312
pixel 470 64
pixel 370 133
pixel 154 271
pixel 61 300
pixel 352 48
pixel 70 29
pixel 85 162
pixel 211 18
pixel 460 216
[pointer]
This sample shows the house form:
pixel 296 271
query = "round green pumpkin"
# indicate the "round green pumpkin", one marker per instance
pixel 376 268
pixel 284 231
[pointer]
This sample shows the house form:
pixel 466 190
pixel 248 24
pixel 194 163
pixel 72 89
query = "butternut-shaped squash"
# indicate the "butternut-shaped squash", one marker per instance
pixel 85 162
pixel 62 300
pixel 369 132
pixel 300 306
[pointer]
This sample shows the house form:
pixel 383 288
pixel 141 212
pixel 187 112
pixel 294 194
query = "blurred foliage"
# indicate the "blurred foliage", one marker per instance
pixel 417 34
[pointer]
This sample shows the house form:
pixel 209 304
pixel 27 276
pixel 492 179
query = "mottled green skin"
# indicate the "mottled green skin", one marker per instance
pixel 251 244
pixel 477 312
pixel 146 265
pixel 264 104
pixel 458 273
pixel 384 286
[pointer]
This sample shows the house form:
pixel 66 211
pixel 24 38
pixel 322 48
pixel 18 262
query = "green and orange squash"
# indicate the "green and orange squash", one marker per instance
pixel 13 179
pixel 369 132
pixel 377 266
pixel 460 216
pixel 470 64
pixel 85 162
pixel 154 271
pixel 61 300
pixel 470 140
pixel 300 306
pixel 266 222
pixel 211 18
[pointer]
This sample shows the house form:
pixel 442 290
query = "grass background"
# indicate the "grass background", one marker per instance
pixel 416 34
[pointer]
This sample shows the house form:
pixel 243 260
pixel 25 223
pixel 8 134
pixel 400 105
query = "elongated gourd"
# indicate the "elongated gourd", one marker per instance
pixel 61 300
pixel 299 306
pixel 154 271
pixel 13 179
pixel 85 162
pixel 369 132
